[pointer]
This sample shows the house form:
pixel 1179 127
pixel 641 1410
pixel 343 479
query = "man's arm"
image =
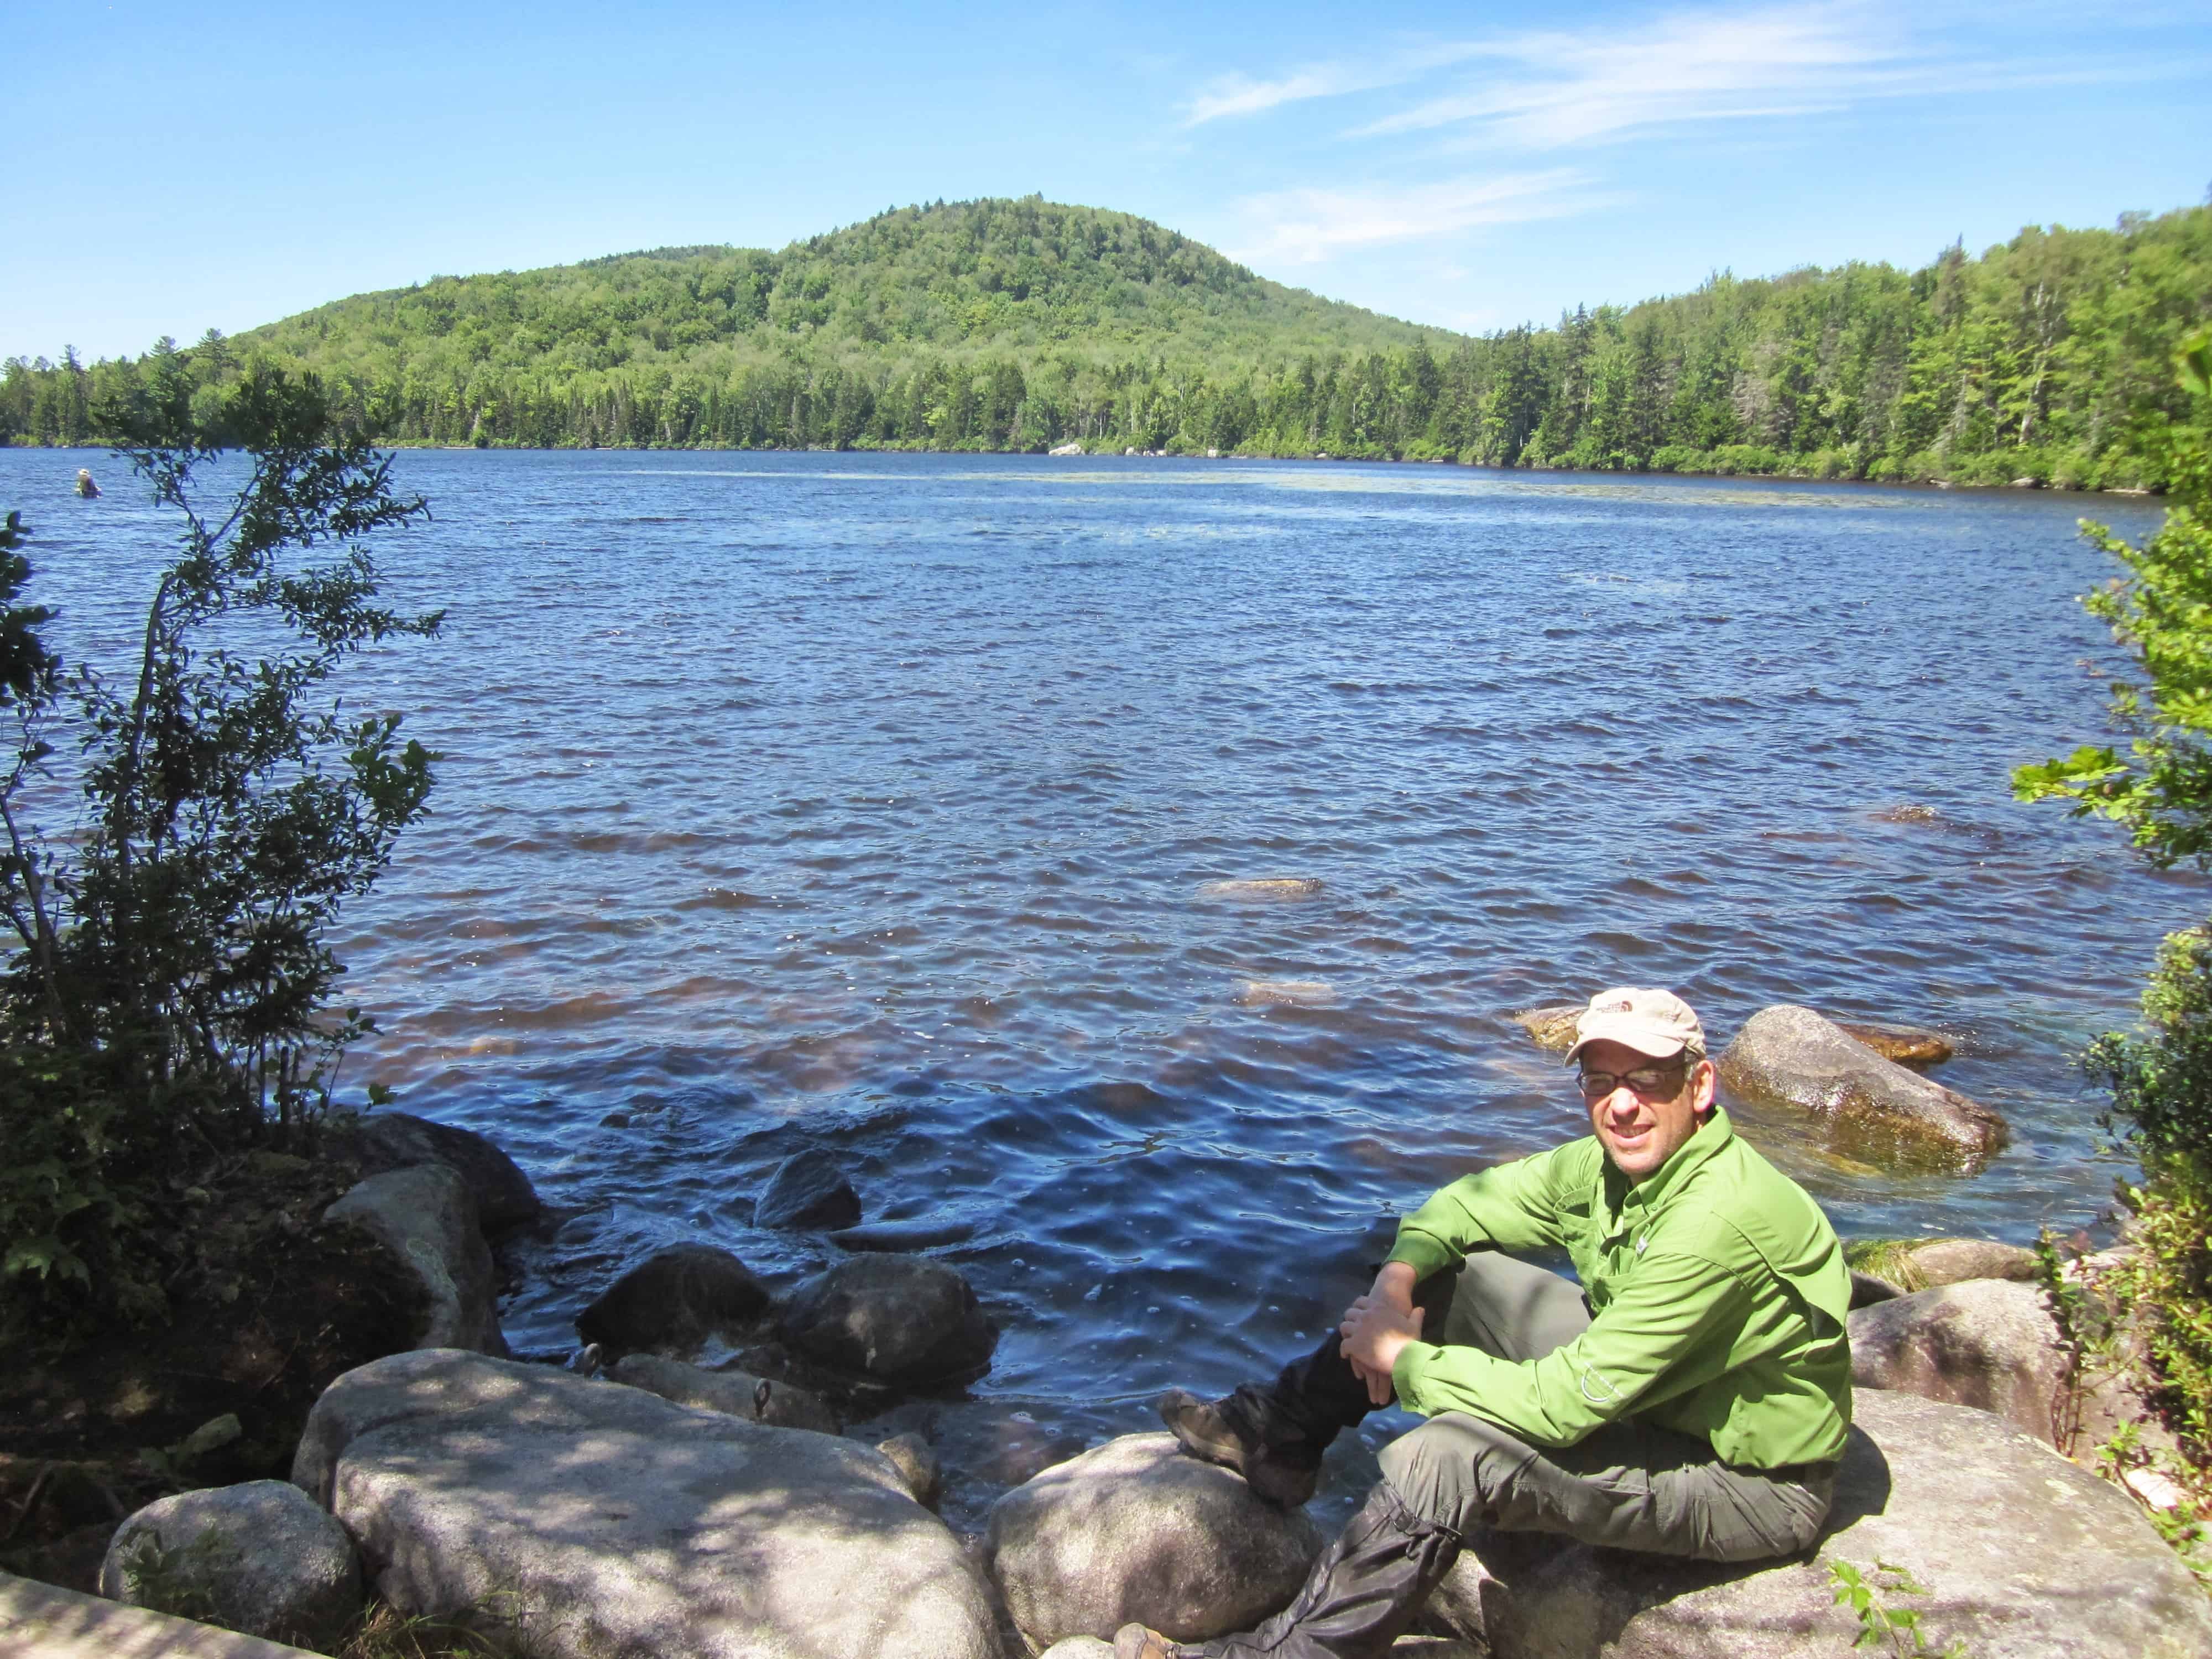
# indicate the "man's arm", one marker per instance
pixel 1515 1207
pixel 1667 1327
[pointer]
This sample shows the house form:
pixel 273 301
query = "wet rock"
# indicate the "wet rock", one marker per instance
pixel 912 1457
pixel 903 1320
pixel 756 1398
pixel 808 1189
pixel 1876 1109
pixel 626 1524
pixel 426 1217
pixel 673 1301
pixel 1906 1265
pixel 504 1197
pixel 921 1233
pixel 1133 1530
pixel 1908 1045
pixel 261 1558
pixel 1262 889
pixel 1553 1027
pixel 2025 1556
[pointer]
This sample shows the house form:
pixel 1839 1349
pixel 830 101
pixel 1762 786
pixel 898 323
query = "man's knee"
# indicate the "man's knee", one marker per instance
pixel 1448 1470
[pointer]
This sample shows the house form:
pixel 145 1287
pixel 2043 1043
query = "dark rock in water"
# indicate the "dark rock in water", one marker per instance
pixel 1908 1045
pixel 808 1189
pixel 921 1233
pixel 903 1320
pixel 1875 1108
pixel 425 1216
pixel 2025 1555
pixel 504 1197
pixel 1135 1530
pixel 674 1301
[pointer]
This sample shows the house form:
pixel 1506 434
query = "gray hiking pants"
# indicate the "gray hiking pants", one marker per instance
pixel 1629 1486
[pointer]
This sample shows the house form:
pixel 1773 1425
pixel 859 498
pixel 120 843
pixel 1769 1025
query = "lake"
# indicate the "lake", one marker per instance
pixel 870 803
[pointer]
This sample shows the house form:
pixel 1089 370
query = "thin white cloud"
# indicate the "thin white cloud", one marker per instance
pixel 1307 226
pixel 1548 89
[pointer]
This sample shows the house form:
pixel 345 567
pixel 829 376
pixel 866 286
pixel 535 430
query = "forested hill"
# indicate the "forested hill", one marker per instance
pixel 1019 324
pixel 973 279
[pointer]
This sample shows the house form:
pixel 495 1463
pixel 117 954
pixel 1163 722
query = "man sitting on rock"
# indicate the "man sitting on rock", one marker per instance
pixel 1689 1398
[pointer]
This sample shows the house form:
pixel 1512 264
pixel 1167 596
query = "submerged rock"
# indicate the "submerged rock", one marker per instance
pixel 1908 1045
pixel 1286 994
pixel 1134 1530
pixel 1262 888
pixel 808 1189
pixel 425 1217
pixel 920 1233
pixel 674 1300
pixel 261 1558
pixel 1552 1027
pixel 1875 1108
pixel 2024 1555
pixel 615 1523
pixel 903 1320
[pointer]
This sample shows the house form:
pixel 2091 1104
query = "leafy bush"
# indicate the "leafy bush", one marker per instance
pixel 171 994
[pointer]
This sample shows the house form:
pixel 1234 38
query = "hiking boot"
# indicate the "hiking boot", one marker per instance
pixel 1216 1432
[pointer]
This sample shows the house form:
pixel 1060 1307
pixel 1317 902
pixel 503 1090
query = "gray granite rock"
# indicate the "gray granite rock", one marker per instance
pixel 1901 1266
pixel 1873 1109
pixel 2024 1555
pixel 612 1521
pixel 756 1398
pixel 903 1320
pixel 425 1216
pixel 1133 1530
pixel 673 1301
pixel 1987 1343
pixel 808 1189
pixel 261 1558
pixel 395 1140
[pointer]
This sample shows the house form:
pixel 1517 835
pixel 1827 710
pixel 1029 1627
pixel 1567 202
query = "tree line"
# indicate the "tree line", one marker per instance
pixel 2046 357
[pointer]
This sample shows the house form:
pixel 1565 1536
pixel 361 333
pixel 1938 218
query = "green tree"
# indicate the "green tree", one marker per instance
pixel 173 983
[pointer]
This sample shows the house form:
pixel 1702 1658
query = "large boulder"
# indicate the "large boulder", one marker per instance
pixel 1988 1343
pixel 262 1558
pixel 808 1189
pixel 614 1522
pixel 2024 1556
pixel 756 1398
pixel 425 1216
pixel 674 1300
pixel 395 1140
pixel 1134 1530
pixel 1876 1109
pixel 902 1320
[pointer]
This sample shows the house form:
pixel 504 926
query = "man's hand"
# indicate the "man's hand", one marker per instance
pixel 1377 1325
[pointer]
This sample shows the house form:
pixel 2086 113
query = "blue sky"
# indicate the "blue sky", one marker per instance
pixel 164 170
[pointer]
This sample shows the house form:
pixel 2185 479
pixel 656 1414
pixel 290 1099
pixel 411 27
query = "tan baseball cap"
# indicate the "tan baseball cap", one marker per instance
pixel 1640 1016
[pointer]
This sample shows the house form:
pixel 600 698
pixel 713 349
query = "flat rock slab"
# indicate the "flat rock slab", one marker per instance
pixel 1134 1530
pixel 618 1525
pixel 44 1621
pixel 1875 1108
pixel 426 1216
pixel 2025 1556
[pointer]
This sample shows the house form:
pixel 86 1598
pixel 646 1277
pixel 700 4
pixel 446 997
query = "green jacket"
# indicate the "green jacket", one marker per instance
pixel 1717 1288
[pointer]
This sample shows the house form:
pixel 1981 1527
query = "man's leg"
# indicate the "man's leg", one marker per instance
pixel 1274 1433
